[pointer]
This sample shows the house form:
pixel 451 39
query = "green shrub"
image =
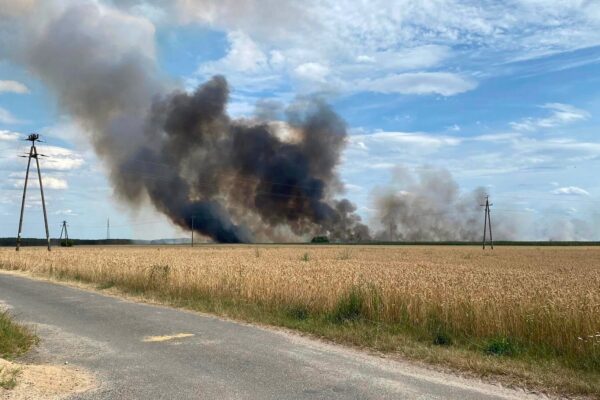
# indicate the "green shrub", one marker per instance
pixel 349 307
pixel 501 346
pixel 320 239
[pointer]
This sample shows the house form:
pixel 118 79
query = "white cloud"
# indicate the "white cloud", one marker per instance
pixel 497 137
pixel 49 181
pixel 312 72
pixel 13 87
pixel 444 83
pixel 404 138
pixel 243 55
pixel 571 190
pixel 6 117
pixel 375 43
pixel 59 158
pixel 8 135
pixel 67 212
pixel 560 114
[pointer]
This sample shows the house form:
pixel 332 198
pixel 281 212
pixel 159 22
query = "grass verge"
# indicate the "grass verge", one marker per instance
pixel 498 358
pixel 15 340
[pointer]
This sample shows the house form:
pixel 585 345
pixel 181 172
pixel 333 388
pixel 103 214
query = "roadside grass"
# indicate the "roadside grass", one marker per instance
pixel 495 358
pixel 15 339
pixel 524 317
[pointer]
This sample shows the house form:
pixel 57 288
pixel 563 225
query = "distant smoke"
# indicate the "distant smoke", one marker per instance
pixel 241 180
pixel 428 206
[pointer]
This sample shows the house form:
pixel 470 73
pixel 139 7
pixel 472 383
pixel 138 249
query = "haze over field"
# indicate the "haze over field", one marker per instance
pixel 285 124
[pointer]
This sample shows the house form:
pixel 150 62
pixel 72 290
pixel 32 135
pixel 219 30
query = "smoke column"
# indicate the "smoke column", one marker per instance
pixel 241 180
pixel 428 206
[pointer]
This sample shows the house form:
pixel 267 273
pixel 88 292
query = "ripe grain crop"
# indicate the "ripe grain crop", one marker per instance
pixel 526 303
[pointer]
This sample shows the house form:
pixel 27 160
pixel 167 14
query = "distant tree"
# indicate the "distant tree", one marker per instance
pixel 320 239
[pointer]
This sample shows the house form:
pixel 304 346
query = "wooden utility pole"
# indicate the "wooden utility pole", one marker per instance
pixel 64 229
pixel 34 137
pixel 487 222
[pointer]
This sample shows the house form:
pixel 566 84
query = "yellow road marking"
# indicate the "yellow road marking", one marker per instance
pixel 167 337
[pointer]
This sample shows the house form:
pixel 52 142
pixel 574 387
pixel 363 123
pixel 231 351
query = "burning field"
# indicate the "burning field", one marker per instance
pixel 492 312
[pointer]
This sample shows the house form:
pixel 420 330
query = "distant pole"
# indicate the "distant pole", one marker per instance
pixel 34 137
pixel 193 230
pixel 107 229
pixel 64 229
pixel 487 222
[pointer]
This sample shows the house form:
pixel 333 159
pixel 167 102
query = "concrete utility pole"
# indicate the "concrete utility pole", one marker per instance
pixel 487 222
pixel 34 137
pixel 64 229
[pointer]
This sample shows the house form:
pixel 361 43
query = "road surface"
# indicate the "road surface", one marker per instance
pixel 141 351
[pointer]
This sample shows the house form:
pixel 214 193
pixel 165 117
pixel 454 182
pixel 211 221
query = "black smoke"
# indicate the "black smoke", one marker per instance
pixel 238 180
pixel 220 170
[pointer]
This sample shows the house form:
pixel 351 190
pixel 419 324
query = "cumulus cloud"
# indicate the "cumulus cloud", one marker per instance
pixel 13 87
pixel 571 190
pixel 376 42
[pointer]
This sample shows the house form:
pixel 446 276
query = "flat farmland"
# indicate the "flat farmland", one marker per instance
pixel 526 315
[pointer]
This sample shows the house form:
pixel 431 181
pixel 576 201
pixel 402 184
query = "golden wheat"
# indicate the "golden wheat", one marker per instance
pixel 547 297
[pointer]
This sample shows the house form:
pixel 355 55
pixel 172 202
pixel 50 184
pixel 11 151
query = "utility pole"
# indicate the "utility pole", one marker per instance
pixel 34 137
pixel 107 229
pixel 193 216
pixel 64 229
pixel 487 222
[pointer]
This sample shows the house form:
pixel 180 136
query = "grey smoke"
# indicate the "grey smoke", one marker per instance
pixel 429 206
pixel 241 180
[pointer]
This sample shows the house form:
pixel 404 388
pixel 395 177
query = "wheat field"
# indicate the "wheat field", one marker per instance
pixel 539 300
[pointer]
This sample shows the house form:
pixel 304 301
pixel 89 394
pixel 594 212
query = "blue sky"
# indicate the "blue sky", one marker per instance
pixel 502 94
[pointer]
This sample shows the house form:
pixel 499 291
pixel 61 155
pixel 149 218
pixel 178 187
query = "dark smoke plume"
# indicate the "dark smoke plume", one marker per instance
pixel 241 180
pixel 222 169
pixel 430 207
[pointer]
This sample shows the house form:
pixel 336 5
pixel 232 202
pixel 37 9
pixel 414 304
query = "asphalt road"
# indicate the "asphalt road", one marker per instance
pixel 222 360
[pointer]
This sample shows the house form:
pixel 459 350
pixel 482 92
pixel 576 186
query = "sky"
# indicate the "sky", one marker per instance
pixel 503 95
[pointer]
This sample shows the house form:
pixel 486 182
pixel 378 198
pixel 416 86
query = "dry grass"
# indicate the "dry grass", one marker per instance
pixel 525 303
